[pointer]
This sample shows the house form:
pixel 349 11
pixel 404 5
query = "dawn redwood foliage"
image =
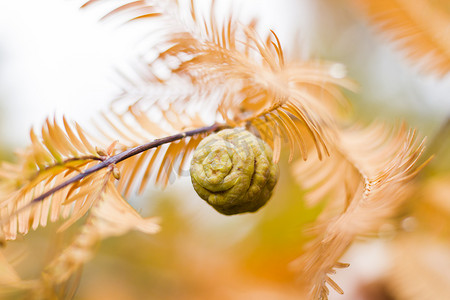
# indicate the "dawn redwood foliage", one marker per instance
pixel 226 70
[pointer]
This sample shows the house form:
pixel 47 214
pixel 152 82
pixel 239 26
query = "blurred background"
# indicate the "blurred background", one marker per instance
pixel 55 59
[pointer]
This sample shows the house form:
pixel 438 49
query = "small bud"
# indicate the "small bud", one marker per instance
pixel 116 172
pixel 100 151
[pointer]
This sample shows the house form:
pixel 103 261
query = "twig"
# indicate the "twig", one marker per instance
pixel 116 159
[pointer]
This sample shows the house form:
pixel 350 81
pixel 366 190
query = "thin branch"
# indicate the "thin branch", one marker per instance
pixel 111 161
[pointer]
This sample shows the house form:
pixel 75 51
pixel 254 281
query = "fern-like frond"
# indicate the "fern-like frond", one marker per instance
pixel 110 216
pixel 136 125
pixel 240 76
pixel 376 166
pixel 50 160
pixel 420 29
pixel 55 179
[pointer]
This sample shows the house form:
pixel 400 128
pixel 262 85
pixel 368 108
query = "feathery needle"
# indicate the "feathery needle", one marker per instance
pixel 114 160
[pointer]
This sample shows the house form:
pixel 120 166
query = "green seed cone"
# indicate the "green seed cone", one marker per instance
pixel 233 171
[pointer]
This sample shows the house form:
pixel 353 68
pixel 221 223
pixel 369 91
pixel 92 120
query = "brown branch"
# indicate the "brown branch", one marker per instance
pixel 116 159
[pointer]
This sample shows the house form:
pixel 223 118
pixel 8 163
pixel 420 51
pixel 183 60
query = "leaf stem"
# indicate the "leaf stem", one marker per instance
pixel 123 156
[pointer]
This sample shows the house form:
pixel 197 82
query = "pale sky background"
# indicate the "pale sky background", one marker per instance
pixel 53 60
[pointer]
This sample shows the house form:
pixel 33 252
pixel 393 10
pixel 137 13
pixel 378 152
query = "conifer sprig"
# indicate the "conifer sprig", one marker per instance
pixel 236 78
